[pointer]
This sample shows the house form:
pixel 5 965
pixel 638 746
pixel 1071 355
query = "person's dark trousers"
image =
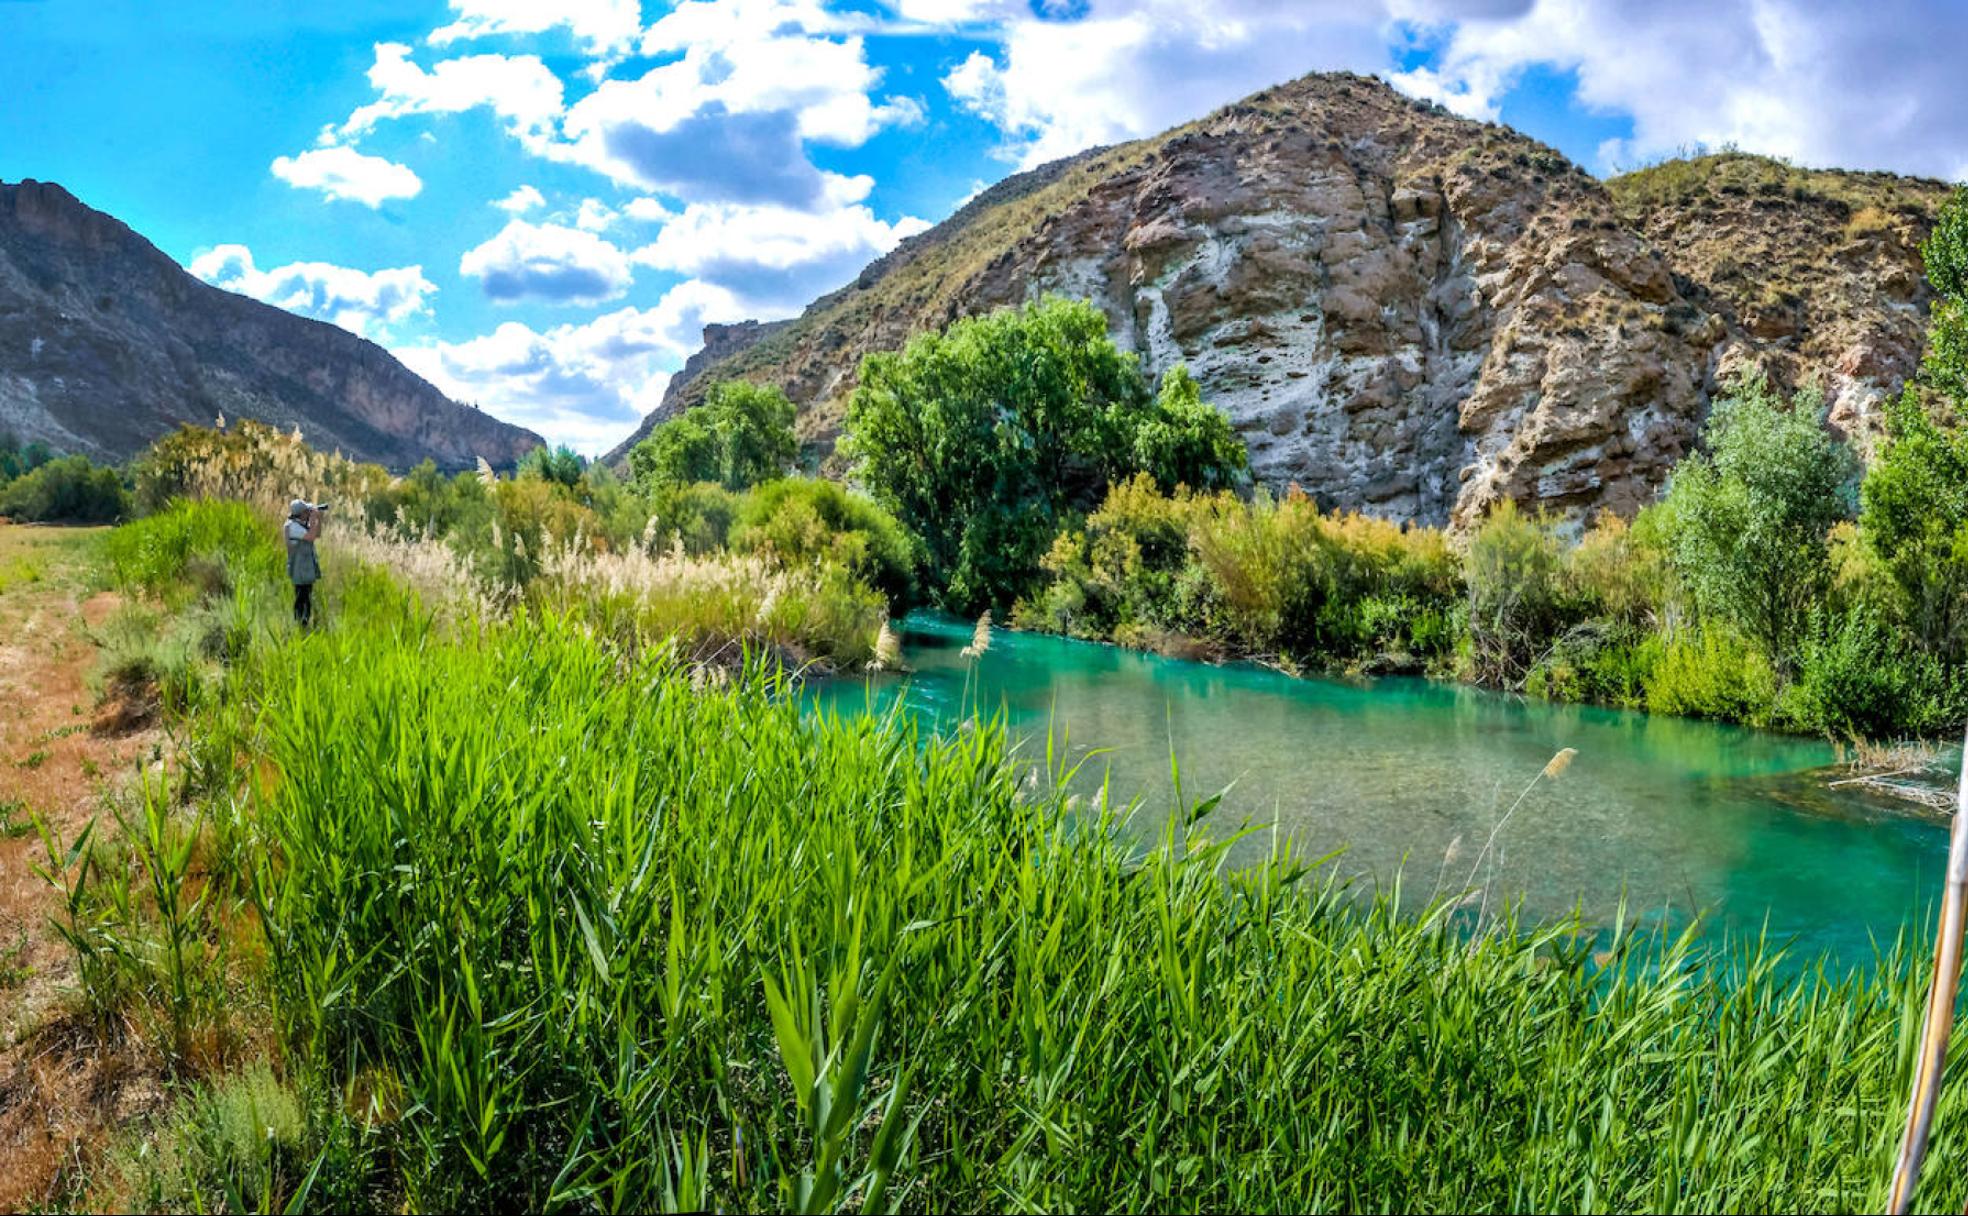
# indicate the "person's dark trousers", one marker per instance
pixel 304 604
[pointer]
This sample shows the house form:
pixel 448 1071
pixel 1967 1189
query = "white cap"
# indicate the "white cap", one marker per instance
pixel 300 506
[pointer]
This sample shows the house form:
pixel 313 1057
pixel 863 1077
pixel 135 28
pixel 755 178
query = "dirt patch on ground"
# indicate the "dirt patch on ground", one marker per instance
pixel 62 1091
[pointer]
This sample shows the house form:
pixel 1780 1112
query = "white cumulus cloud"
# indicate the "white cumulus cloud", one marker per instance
pixel 1824 82
pixel 1129 68
pixel 775 258
pixel 548 262
pixel 1820 81
pixel 361 301
pixel 519 88
pixel 595 215
pixel 647 210
pixel 744 86
pixel 344 173
pixel 520 201
pixel 596 25
pixel 584 385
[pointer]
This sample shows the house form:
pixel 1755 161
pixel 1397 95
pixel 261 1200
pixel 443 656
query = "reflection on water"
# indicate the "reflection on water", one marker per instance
pixel 1673 812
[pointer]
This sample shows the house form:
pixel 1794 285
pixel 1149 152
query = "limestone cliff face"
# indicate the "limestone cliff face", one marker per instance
pixel 1403 312
pixel 106 344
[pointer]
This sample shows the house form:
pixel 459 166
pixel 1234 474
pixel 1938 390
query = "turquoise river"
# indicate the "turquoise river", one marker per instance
pixel 1670 814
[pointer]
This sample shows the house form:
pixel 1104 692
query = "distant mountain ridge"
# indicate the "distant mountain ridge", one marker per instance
pixel 107 343
pixel 1403 311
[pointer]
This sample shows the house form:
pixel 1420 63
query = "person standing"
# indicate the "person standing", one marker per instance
pixel 303 568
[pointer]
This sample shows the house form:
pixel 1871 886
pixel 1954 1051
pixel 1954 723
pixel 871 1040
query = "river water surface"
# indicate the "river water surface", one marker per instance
pixel 1673 815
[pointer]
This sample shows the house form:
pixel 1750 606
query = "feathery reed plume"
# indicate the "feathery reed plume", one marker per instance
pixel 1559 762
pixel 888 649
pixel 1449 856
pixel 980 638
pixel 486 477
pixel 432 568
pixel 714 605
pixel 1939 1021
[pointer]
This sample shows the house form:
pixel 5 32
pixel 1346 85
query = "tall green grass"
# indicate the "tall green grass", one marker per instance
pixel 568 929
pixel 533 919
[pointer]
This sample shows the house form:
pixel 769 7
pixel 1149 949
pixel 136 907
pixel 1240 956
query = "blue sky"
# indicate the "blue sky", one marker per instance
pixel 538 205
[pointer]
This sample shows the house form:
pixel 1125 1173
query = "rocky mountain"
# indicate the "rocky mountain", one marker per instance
pixel 106 344
pixel 1405 312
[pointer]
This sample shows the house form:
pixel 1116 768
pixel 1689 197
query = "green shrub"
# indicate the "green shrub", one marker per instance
pixel 234 1144
pixel 1127 569
pixel 807 521
pixel 1271 577
pixel 1860 679
pixel 1624 572
pixel 70 489
pixel 1605 662
pixel 425 502
pixel 1714 674
pixel 698 516
pixel 1518 595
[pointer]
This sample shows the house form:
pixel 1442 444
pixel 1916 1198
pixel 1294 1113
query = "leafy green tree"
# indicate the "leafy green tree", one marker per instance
pixel 740 436
pixel 680 452
pixel 1187 441
pixel 1945 254
pixel 17 458
pixel 754 423
pixel 561 465
pixel 70 489
pixel 1915 495
pixel 1914 517
pixel 985 438
pixel 1749 518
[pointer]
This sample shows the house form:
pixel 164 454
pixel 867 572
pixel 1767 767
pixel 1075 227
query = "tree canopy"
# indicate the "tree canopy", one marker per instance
pixel 1750 516
pixel 983 438
pixel 740 436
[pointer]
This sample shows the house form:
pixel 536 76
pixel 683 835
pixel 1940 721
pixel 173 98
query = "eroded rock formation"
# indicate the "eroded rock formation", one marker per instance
pixel 1405 312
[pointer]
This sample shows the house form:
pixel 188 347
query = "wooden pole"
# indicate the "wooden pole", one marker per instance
pixel 1939 1023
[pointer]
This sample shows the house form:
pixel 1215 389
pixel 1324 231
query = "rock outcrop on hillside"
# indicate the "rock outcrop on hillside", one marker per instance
pixel 106 344
pixel 1402 311
pixel 1815 274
